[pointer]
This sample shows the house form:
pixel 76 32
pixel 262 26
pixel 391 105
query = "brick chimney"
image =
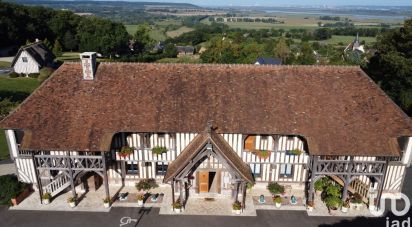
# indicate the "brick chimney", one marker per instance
pixel 88 60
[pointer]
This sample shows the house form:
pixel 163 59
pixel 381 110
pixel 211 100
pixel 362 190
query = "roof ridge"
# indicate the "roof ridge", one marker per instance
pixel 230 64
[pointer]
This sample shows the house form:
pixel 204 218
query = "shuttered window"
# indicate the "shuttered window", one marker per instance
pixel 250 143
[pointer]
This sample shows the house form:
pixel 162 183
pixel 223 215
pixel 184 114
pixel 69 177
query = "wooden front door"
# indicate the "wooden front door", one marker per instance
pixel 203 181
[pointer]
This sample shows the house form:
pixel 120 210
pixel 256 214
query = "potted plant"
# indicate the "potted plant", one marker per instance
pixel 345 206
pixel 159 150
pixel 177 206
pixel 140 199
pixel 278 201
pixel 46 198
pixel 320 185
pixel 295 151
pixel 71 201
pixel 146 184
pixel 125 151
pixel 106 202
pixel 310 205
pixel 356 201
pixel 333 203
pixel 237 207
pixel 275 188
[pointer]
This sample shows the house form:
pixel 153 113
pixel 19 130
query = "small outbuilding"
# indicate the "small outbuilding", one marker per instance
pixel 31 58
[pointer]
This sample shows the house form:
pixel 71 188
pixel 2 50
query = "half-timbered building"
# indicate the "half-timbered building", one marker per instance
pixel 223 126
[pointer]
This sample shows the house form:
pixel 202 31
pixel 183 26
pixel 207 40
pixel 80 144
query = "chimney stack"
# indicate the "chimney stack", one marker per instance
pixel 88 60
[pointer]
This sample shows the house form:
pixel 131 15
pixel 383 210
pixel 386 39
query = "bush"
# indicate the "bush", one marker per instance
pixel 34 75
pixel 10 188
pixel 140 197
pixel 177 205
pixel 275 188
pixel 146 184
pixel 322 183
pixel 333 190
pixel 13 75
pixel 277 199
pixel 106 200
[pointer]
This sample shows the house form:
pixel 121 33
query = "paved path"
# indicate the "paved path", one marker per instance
pixel 7 167
pixel 150 217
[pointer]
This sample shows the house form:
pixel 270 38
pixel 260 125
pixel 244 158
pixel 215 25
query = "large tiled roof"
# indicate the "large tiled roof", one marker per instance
pixel 339 110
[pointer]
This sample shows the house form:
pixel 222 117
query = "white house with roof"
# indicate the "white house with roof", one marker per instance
pixel 31 58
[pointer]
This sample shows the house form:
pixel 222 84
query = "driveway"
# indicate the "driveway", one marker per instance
pixel 150 217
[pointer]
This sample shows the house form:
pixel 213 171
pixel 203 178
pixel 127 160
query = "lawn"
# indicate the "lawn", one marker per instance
pixel 4 150
pixel 179 31
pixel 4 64
pixel 17 89
pixel 69 56
pixel 336 39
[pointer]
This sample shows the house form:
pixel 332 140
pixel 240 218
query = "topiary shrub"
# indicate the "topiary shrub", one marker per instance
pixel 333 202
pixel 13 75
pixel 10 188
pixel 275 188
pixel 34 75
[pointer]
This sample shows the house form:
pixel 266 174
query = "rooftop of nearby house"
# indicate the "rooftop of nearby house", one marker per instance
pixel 339 110
pixel 268 61
pixel 38 51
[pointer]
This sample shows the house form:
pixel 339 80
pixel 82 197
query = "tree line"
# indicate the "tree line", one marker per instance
pixel 21 24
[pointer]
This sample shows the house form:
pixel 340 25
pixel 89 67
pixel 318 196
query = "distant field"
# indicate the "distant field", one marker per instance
pixel 155 33
pixel 179 31
pixel 336 39
pixel 184 59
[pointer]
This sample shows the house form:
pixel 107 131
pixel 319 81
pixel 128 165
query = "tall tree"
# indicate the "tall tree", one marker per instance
pixel 142 39
pixel 69 41
pixel 282 50
pixel 391 66
pixel 57 48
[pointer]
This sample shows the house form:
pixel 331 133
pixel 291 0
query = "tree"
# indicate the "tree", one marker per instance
pixel 142 39
pixel 69 41
pixel 391 66
pixel 306 56
pixel 47 43
pixel 282 50
pixel 57 48
pixel 170 51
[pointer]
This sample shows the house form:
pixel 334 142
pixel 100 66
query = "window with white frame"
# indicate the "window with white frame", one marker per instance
pixel 256 169
pixel 132 168
pixel 24 59
pixel 286 170
pixel 161 168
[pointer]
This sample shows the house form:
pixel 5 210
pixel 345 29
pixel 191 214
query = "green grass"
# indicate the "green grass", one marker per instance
pixel 336 39
pixel 157 35
pixel 4 64
pixel 184 59
pixel 4 150
pixel 69 56
pixel 20 84
pixel 179 31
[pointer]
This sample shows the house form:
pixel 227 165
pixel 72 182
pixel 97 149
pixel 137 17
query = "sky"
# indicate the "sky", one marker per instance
pixel 292 2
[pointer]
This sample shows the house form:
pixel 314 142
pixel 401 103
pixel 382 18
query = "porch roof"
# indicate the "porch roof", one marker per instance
pixel 338 109
pixel 219 145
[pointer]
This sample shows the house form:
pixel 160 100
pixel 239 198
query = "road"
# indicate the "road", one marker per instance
pixel 150 217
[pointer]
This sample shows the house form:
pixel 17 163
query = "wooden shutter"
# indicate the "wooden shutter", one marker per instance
pixel 250 143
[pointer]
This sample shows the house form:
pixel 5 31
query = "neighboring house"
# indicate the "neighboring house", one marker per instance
pixel 31 58
pixel 355 46
pixel 185 50
pixel 268 61
pixel 221 127
pixel 159 47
